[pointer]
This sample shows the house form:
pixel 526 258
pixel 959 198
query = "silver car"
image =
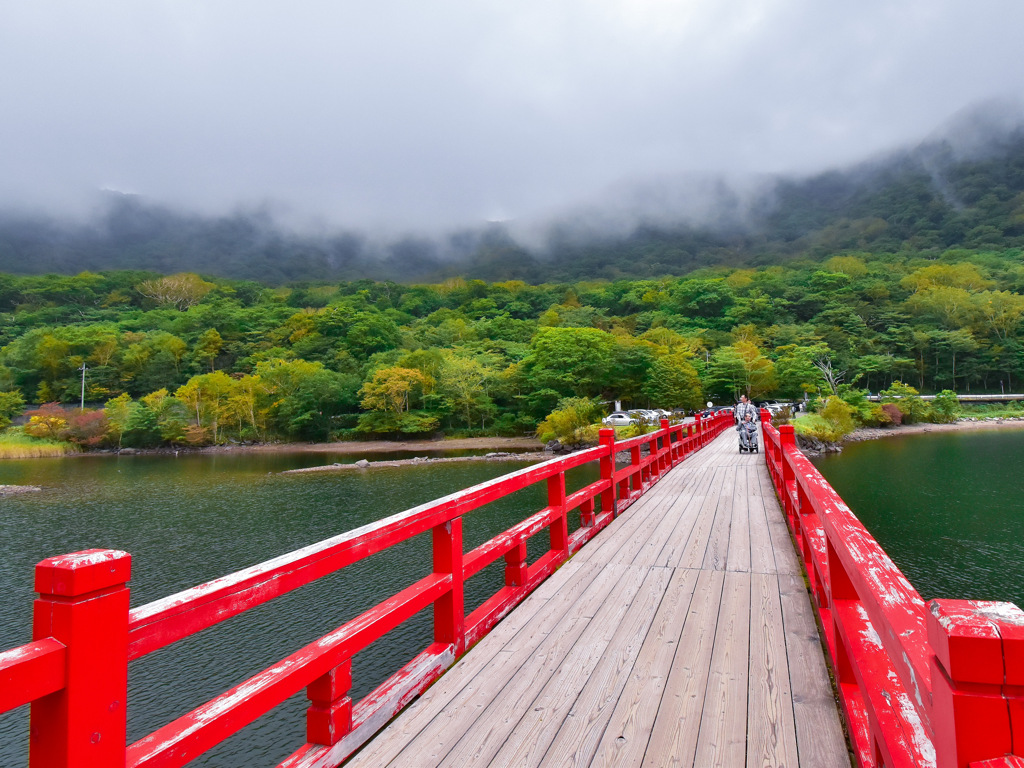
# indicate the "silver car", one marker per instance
pixel 618 419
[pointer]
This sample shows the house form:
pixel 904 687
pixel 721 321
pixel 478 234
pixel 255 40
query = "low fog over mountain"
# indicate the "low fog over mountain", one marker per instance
pixel 962 187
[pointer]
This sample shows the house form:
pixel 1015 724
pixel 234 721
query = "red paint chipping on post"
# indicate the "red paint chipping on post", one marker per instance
pixel 83 604
pixel 74 673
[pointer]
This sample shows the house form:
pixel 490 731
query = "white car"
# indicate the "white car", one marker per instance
pixel 618 419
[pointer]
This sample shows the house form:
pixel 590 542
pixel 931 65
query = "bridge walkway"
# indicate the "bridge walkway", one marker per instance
pixel 682 635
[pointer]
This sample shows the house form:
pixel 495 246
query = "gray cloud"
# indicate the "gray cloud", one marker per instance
pixel 425 115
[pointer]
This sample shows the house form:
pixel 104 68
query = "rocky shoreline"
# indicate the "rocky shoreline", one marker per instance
pixel 364 464
pixel 13 490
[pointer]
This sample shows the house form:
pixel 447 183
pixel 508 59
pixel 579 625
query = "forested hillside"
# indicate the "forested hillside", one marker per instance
pixel 936 197
pixel 187 359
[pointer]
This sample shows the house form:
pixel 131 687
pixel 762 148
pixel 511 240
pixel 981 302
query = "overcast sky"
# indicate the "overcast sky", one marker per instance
pixel 436 112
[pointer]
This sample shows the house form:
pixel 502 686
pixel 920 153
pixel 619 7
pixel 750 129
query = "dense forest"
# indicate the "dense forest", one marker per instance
pixel 191 359
pixel 904 270
pixel 949 193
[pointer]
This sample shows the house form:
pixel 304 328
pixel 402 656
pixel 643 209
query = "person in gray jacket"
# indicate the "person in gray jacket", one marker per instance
pixel 743 407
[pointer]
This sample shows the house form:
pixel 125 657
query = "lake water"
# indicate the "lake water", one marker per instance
pixel 192 518
pixel 947 507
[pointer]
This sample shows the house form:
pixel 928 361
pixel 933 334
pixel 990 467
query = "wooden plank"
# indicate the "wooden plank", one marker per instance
pixel 634 524
pixel 495 718
pixel 716 555
pixel 579 699
pixel 722 740
pixel 739 535
pixel 786 560
pixel 692 555
pixel 672 531
pixel 626 550
pixel 715 487
pixel 819 733
pixel 771 738
pixel 728 480
pixel 692 600
pixel 623 739
pixel 673 737
pixel 762 556
pixel 503 652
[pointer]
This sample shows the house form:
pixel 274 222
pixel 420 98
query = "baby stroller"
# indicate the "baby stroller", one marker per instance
pixel 748 437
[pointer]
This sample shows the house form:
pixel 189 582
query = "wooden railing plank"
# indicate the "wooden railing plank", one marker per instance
pixel 30 672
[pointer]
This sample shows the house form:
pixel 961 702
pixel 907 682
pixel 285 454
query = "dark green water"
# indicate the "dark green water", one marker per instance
pixel 947 507
pixel 190 519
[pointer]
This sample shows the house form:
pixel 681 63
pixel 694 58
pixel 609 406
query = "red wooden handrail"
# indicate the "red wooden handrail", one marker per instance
pixel 74 673
pixel 937 684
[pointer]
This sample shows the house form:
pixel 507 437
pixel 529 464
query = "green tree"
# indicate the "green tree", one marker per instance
pixel 11 404
pixel 208 346
pixel 672 382
pixel 572 423
pixel 796 370
pixel 738 369
pixel 571 361
pixel 118 411
pixel 208 396
pixel 392 389
pixel 462 382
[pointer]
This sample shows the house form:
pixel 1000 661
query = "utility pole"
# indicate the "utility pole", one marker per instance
pixel 83 369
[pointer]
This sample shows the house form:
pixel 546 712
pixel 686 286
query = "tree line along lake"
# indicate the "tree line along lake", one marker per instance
pixel 946 507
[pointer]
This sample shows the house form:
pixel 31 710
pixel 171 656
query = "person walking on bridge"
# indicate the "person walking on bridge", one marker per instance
pixel 743 407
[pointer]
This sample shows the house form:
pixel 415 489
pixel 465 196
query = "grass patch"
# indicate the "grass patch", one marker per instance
pixel 18 445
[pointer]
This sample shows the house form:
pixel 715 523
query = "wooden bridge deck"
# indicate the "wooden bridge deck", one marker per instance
pixel 682 635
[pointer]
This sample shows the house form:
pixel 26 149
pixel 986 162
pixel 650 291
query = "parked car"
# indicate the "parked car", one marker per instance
pixel 646 416
pixel 707 412
pixel 618 419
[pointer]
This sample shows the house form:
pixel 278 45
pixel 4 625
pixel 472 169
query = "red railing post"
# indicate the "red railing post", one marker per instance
pixel 559 529
pixel 516 566
pixel 636 480
pixel 83 603
pixel 329 716
pixel 665 459
pixel 977 680
pixel 787 439
pixel 606 437
pixel 450 609
pixel 698 422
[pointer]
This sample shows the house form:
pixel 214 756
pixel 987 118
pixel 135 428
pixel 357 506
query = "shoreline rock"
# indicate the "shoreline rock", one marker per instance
pixel 363 464
pixel 13 490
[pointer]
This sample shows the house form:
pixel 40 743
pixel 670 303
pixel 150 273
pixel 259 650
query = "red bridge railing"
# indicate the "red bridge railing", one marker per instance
pixel 937 684
pixel 74 673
